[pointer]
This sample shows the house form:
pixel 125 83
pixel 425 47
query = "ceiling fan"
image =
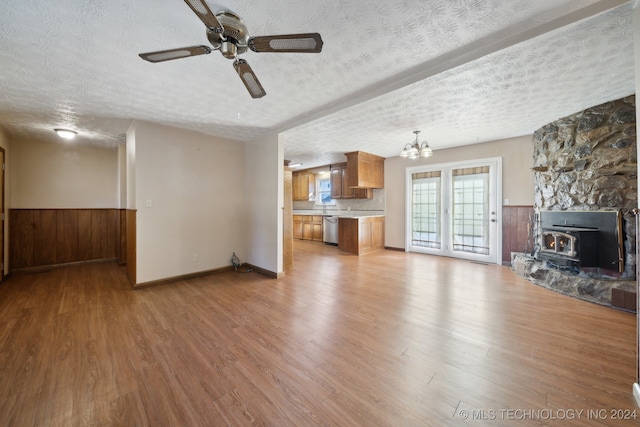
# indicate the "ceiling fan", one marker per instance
pixel 228 34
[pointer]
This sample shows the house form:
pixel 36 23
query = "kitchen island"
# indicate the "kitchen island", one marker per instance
pixel 361 235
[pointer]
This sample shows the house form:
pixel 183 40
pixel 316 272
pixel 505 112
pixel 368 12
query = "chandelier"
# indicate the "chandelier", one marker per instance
pixel 416 149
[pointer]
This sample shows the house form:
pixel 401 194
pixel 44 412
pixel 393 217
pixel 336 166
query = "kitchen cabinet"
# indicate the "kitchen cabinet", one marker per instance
pixel 336 181
pixel 365 170
pixel 361 235
pixel 304 186
pixel 339 184
pixel 316 228
pixel 297 226
pixel 307 227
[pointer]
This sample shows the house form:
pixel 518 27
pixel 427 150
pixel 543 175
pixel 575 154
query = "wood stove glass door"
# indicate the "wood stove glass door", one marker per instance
pixel 453 210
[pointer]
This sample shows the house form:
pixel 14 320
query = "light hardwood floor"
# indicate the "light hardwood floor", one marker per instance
pixel 389 338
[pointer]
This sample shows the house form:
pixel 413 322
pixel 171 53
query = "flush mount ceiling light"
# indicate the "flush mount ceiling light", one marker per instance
pixel 66 133
pixel 416 149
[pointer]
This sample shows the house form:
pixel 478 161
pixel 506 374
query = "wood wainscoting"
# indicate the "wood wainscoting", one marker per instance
pixel 517 235
pixel 49 237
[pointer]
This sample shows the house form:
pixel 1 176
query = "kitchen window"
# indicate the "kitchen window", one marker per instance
pixel 323 191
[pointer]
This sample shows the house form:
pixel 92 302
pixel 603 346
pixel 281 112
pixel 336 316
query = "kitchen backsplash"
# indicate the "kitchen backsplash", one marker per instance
pixel 376 204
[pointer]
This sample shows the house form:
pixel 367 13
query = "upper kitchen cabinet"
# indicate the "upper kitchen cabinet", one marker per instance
pixel 339 184
pixel 304 186
pixel 365 170
pixel 336 180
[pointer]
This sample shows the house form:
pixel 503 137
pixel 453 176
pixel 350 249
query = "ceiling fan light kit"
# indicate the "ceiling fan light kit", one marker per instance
pixel 227 33
pixel 416 149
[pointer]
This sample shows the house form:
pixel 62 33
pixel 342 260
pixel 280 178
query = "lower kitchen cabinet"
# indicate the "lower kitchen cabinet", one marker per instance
pixel 361 235
pixel 297 226
pixel 307 227
pixel 316 229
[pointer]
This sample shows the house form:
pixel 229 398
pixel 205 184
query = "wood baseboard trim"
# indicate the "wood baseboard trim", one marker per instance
pixel 264 272
pixel 391 248
pixel 248 268
pixel 43 268
pixel 174 279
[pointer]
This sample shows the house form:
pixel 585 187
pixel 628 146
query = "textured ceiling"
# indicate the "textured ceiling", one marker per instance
pixel 461 71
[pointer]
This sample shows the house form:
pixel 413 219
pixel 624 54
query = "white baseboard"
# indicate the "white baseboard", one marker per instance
pixel 636 393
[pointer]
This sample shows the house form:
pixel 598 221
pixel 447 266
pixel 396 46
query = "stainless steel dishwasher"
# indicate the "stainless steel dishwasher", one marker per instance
pixel 330 230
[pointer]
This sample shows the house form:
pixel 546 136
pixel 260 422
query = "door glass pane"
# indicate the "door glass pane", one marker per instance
pixel 471 210
pixel 425 210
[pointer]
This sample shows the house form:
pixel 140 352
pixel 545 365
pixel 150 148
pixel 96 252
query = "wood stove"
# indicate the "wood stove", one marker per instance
pixel 569 246
pixel 581 239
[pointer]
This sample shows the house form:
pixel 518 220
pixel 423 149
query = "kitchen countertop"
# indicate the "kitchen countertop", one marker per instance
pixel 340 214
pixel 358 216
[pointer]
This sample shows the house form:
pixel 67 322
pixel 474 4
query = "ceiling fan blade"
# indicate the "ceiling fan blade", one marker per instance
pixel 209 19
pixel 169 54
pixel 249 79
pixel 299 43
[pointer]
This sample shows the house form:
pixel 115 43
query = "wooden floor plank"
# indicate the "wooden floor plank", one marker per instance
pixel 385 339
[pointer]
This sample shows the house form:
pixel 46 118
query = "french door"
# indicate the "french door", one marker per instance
pixel 452 209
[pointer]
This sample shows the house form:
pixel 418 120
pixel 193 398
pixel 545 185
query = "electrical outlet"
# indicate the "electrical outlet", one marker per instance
pixel 195 257
pixel 148 203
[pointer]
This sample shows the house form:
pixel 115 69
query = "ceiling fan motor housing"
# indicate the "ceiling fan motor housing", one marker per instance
pixel 234 38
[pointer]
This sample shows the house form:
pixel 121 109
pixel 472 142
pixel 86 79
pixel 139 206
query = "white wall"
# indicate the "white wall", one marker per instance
pixel 130 167
pixel 48 175
pixel 636 48
pixel 194 183
pixel 517 186
pixel 264 191
pixel 122 176
pixel 636 44
pixel 4 143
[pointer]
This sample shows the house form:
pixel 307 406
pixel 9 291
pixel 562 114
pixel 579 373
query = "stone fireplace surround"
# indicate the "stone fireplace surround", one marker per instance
pixel 586 162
